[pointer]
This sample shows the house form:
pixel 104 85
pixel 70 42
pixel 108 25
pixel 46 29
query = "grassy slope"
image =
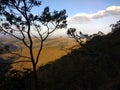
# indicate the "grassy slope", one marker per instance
pixel 53 49
pixel 81 70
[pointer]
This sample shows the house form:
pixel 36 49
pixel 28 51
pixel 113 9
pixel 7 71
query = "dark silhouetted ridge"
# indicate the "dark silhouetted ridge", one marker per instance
pixel 81 70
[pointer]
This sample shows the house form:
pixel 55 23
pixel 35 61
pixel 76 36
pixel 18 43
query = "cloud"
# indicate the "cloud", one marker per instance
pixel 85 18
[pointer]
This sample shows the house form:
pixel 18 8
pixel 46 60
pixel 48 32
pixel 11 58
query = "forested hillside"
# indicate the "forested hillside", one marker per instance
pixel 85 70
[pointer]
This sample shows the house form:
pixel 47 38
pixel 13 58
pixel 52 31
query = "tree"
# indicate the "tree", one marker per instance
pixel 19 22
pixel 116 26
pixel 79 38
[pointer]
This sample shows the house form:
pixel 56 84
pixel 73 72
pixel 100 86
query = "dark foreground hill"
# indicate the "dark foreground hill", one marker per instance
pixel 85 70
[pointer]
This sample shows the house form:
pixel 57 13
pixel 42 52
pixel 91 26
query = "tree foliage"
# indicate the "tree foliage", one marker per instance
pixel 78 36
pixel 116 26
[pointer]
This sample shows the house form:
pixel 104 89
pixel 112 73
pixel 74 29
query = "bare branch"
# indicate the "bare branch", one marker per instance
pixel 18 8
pixel 53 30
pixel 38 31
pixel 25 43
pixel 46 33
pixel 18 55
pixel 1 29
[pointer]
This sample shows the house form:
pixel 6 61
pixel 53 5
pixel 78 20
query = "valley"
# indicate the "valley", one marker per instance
pixel 53 49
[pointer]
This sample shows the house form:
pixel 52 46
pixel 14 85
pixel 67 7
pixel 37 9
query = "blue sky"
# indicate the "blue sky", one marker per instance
pixel 79 6
pixel 88 16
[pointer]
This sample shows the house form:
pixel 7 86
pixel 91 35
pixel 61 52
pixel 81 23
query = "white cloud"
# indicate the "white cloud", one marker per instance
pixel 82 17
pixel 85 18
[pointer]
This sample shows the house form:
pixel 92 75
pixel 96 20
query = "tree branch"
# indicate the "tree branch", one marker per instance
pixel 24 39
pixel 39 51
pixel 1 29
pixel 19 55
pixel 38 31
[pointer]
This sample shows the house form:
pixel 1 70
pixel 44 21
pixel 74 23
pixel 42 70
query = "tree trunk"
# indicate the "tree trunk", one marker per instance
pixel 35 77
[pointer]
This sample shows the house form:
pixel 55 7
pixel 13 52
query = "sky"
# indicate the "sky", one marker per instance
pixel 88 16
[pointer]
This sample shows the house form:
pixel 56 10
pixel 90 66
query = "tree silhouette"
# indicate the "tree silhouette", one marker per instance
pixel 80 39
pixel 116 26
pixel 77 36
pixel 19 22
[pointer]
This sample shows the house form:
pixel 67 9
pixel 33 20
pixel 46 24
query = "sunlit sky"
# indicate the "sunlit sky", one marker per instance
pixel 88 16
